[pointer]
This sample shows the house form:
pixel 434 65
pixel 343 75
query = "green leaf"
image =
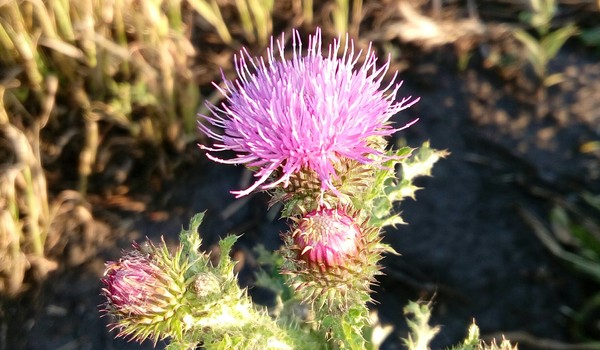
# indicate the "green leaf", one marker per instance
pixel 535 54
pixel 552 43
pixel 591 37
pixel 417 319
pixel 469 343
pixel 226 244
pixel 192 231
pixel 581 263
pixel 389 189
pixel 180 346
pixel 421 162
pixel 190 246
pixel 593 200
pixel 392 220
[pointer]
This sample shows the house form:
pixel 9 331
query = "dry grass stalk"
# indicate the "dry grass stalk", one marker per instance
pixel 113 60
pixel 25 214
pixel 211 12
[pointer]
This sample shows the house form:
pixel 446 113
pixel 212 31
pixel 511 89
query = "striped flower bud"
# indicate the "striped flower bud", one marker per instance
pixel 326 238
pixel 144 291
pixel 331 258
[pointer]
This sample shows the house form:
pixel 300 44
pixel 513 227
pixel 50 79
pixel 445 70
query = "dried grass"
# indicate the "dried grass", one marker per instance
pixel 71 66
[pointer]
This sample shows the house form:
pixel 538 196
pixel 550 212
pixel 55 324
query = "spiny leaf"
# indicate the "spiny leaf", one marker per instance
pixel 418 164
pixel 225 262
pixel 421 162
pixel 190 239
pixel 421 333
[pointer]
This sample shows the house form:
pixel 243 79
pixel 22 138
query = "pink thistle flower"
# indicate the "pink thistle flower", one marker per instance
pixel 309 112
pixel 327 238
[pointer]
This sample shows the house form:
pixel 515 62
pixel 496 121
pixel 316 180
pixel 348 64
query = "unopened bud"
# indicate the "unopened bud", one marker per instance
pixel 143 290
pixel 206 284
pixel 326 238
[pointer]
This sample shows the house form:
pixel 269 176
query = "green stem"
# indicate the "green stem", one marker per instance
pixel 242 326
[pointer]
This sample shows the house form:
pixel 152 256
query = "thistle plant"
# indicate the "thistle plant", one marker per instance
pixel 154 294
pixel 313 128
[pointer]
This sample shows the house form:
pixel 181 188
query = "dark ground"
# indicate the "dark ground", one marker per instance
pixel 465 242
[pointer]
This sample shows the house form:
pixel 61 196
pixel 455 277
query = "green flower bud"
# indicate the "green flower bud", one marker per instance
pixel 206 284
pixel 144 292
pixel 331 258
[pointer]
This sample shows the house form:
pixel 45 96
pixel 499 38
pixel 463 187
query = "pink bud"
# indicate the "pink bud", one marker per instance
pixel 133 285
pixel 327 238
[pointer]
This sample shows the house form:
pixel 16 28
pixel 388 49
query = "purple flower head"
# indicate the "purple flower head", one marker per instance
pixel 309 112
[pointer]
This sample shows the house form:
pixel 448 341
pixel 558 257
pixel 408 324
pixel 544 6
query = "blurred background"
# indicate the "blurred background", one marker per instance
pixel 98 147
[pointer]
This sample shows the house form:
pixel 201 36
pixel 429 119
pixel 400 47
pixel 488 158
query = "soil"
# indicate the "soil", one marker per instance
pixel 466 246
